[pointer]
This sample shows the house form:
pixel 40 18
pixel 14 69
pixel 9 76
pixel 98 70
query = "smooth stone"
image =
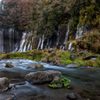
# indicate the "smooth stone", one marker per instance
pixel 34 66
pixel 71 66
pixel 72 96
pixel 4 83
pixel 8 65
pixel 42 76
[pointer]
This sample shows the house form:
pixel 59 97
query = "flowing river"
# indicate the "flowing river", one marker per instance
pixel 84 81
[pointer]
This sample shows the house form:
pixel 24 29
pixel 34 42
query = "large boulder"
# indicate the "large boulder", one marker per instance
pixel 89 57
pixel 9 65
pixel 34 66
pixel 42 76
pixel 4 83
pixel 73 56
pixel 71 66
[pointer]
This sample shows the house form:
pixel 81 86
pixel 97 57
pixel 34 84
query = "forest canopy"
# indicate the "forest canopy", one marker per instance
pixel 44 16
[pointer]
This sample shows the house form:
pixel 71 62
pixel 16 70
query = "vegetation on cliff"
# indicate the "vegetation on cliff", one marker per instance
pixel 44 16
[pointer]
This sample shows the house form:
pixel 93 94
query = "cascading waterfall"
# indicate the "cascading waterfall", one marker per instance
pixel 80 31
pixel 22 47
pixel 58 36
pixel 42 41
pixel 9 39
pixel 1 41
pixel 66 39
pixel 69 47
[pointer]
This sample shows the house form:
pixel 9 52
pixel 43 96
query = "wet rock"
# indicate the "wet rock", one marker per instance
pixel 55 80
pixel 84 52
pixel 9 65
pixel 72 96
pixel 72 50
pixel 4 83
pixel 71 66
pixel 42 76
pixel 73 56
pixel 89 57
pixel 50 50
pixel 34 66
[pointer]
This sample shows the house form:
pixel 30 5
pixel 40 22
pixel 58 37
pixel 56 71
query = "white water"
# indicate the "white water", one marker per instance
pixel 58 36
pixel 66 37
pixel 42 41
pixel 1 41
pixel 80 31
pixel 22 44
pixel 69 47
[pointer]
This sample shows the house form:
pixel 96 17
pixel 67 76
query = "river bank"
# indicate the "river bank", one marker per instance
pixel 57 57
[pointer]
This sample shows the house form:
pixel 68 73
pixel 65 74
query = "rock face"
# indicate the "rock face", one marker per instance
pixel 4 83
pixel 42 76
pixel 9 65
pixel 71 66
pixel 34 66
pixel 89 57
pixel 0 58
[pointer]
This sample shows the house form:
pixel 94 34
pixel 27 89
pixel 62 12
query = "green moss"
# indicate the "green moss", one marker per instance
pixel 64 82
pixel 66 62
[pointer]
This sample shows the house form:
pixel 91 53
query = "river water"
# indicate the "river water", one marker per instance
pixel 83 81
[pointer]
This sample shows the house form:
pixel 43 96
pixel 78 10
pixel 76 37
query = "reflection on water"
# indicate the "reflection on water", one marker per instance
pixel 81 79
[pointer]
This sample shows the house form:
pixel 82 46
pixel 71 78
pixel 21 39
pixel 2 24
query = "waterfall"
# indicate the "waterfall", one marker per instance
pixel 69 47
pixel 80 31
pixel 58 36
pixel 22 44
pixel 66 37
pixel 42 41
pixel 1 41
pixel 9 39
pixel 39 43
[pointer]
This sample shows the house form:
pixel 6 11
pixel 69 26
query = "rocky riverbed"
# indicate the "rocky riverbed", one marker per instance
pixel 84 85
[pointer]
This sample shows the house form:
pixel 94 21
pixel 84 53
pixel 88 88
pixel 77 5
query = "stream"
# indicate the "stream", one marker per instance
pixel 83 80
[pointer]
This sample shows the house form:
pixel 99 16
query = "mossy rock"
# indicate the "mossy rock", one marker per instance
pixel 35 66
pixel 9 65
